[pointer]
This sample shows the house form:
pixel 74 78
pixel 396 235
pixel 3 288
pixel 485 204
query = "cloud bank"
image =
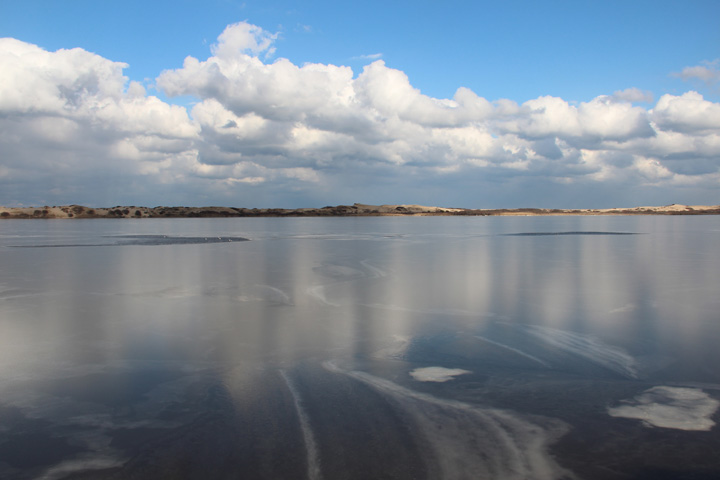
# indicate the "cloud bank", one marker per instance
pixel 272 133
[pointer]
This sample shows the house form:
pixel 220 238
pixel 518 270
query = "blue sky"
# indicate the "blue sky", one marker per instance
pixel 634 120
pixel 514 49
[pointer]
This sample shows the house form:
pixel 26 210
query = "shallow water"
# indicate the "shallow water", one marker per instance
pixel 429 347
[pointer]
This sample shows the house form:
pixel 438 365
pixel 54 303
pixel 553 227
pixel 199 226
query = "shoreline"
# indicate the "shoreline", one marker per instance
pixel 355 210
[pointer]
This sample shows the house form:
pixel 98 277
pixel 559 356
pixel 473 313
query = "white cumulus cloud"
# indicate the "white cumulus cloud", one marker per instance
pixel 688 113
pixel 70 119
pixel 264 129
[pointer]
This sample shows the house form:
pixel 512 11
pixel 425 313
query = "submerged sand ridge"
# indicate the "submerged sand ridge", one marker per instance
pixel 357 209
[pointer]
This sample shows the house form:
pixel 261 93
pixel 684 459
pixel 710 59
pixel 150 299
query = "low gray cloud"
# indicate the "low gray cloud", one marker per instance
pixel 269 132
pixel 708 72
pixel 632 95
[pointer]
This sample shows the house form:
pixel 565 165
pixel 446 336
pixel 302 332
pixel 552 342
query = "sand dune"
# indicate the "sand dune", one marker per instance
pixel 357 209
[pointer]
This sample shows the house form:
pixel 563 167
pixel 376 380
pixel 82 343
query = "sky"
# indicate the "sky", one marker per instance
pixel 475 104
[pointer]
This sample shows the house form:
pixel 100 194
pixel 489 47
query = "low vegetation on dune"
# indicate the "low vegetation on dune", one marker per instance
pixel 357 209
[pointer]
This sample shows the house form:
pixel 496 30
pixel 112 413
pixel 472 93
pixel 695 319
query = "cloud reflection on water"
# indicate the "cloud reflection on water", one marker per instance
pixel 670 407
pixel 496 305
pixel 437 374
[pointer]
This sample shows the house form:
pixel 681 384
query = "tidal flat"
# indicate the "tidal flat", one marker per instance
pixel 568 347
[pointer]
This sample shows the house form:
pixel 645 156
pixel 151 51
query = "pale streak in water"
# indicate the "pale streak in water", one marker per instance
pixel 313 455
pixel 396 349
pixel 452 312
pixel 514 350
pixel 88 462
pixel 589 347
pixel 472 442
pixel 266 293
pixel 318 292
pixel 377 273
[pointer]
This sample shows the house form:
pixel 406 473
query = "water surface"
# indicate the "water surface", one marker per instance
pixel 391 347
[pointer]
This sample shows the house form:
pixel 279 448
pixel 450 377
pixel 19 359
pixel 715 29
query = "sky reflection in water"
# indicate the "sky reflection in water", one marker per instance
pixel 519 347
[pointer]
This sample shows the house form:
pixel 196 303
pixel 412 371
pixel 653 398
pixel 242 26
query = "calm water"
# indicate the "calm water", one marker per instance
pixel 491 348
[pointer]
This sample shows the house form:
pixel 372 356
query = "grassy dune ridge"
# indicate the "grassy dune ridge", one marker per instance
pixel 357 209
